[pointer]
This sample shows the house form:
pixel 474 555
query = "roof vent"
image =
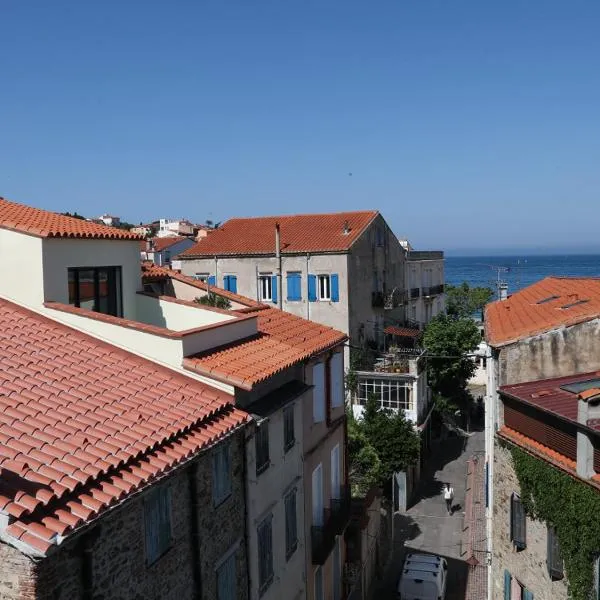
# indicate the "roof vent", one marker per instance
pixel 346 228
pixel 541 394
pixel 548 299
pixel 575 302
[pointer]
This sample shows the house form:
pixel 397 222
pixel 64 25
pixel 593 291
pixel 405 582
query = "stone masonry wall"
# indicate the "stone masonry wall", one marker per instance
pixel 17 580
pixel 528 566
pixel 119 561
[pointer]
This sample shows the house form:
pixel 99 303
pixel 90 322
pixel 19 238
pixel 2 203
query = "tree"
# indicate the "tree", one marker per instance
pixel 449 340
pixel 74 215
pixel 365 467
pixel 212 299
pixel 463 300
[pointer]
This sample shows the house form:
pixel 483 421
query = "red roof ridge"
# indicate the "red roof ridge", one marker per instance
pixel 48 224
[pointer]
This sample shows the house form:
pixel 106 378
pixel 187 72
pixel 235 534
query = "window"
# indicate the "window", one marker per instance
pixel 261 440
pixel 230 283
pixel 226 578
pixel 289 437
pixel 553 557
pixel 513 590
pixel 393 394
pixel 294 286
pixel 291 524
pixel 518 527
pixel 167 256
pixel 157 520
pixel 324 287
pixel 337 380
pixel 264 533
pixel 265 287
pixel 97 289
pixel 317 497
pixel 221 470
pixel 319 584
pixel 202 277
pixel 319 393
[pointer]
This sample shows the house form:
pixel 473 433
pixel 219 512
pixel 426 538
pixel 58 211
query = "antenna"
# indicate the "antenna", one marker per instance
pixel 500 284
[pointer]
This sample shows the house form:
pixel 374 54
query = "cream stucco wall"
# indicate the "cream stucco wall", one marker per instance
pixel 419 274
pixel 61 253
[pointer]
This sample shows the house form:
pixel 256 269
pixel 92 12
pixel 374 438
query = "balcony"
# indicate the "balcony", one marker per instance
pixel 433 290
pixel 335 520
pixel 415 292
pixel 377 299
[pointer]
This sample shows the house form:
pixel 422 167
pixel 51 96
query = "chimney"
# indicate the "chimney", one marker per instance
pixel 346 228
pixel 588 415
pixel 503 290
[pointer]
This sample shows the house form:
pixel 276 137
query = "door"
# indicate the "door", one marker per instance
pixel 335 472
pixel 317 496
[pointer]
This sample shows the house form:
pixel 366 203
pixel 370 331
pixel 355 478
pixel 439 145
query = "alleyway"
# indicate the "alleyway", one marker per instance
pixel 426 526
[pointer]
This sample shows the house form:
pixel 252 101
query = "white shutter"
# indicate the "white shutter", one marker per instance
pixel 335 472
pixel 337 380
pixel 319 393
pixel 317 496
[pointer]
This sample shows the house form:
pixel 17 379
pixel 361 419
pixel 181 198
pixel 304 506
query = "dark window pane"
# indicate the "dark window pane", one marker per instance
pixel 87 289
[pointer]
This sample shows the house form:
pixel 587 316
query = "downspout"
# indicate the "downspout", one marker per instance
pixel 195 529
pixel 278 257
pixel 216 271
pixel 307 288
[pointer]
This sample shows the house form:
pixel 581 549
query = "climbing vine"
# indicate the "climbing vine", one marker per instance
pixel 572 507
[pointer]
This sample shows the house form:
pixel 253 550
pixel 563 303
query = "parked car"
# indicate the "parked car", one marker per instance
pixel 423 577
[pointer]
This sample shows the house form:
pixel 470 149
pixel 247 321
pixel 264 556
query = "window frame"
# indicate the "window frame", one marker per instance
pixel 221 489
pixel 290 504
pixel 116 298
pixel 268 279
pixel 554 561
pixel 261 447
pixel 157 501
pixel 264 532
pixel 289 428
pixel 518 529
pixel 324 277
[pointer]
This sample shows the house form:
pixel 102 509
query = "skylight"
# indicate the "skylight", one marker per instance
pixel 548 299
pixel 576 303
pixel 581 386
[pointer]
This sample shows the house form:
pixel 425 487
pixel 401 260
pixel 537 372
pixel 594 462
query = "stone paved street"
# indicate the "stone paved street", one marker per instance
pixel 426 526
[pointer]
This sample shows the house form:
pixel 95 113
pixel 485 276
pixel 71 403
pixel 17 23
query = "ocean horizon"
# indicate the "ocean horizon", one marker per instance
pixel 518 270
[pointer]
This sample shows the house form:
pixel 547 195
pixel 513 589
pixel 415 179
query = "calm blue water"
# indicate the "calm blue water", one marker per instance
pixel 523 270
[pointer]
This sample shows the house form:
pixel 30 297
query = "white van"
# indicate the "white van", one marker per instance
pixel 423 577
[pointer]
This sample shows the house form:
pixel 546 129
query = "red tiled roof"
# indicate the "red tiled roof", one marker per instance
pixel 43 223
pixel 402 331
pixel 548 395
pixel 152 273
pixel 84 424
pixel 522 315
pixel 284 340
pixel 162 243
pixel 299 233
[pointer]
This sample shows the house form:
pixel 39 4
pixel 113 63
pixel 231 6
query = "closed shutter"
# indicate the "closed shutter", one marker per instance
pixel 294 286
pixel 265 553
pixel 335 288
pixel 518 532
pixel 274 288
pixel 226 579
pixel 312 288
pixel 317 497
pixel 337 383
pixel 230 283
pixel 291 525
pixel 507 582
pixel 212 280
pixel 319 393
pixel 554 560
pixel 335 472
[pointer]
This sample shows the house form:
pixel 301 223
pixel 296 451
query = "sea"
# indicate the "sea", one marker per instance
pixel 518 271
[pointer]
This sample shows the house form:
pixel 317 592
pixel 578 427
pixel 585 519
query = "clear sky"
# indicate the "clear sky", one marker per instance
pixel 466 123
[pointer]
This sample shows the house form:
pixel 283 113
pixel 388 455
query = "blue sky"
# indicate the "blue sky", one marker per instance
pixel 468 124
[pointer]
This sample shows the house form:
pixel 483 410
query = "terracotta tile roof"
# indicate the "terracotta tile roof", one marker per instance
pixel 153 273
pixel 43 223
pixel 402 331
pixel 84 424
pixel 551 303
pixel 284 340
pixel 299 233
pixel 548 395
pixel 162 243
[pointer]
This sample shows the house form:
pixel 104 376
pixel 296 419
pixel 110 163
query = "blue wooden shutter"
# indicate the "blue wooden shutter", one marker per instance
pixel 507 581
pixel 226 579
pixel 294 291
pixel 312 288
pixel 274 288
pixel 231 283
pixel 226 282
pixel 212 280
pixel 335 288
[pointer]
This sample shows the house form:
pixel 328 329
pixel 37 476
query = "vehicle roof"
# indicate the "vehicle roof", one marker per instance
pixel 423 557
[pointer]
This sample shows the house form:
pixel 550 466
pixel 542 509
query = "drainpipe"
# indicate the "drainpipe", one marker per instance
pixel 278 257
pixel 195 530
pixel 216 271
pixel 307 299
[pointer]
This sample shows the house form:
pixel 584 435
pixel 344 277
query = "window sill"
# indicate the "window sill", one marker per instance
pixel 291 551
pixel 262 468
pixel 265 586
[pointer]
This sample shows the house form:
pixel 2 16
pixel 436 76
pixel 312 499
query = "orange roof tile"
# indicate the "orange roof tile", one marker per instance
pixel 284 340
pixel 84 424
pixel 43 223
pixel 152 272
pixel 551 303
pixel 299 233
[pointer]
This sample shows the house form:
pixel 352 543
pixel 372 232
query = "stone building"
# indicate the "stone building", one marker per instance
pixel 545 331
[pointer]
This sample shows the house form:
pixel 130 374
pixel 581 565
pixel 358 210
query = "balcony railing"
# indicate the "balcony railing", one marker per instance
pixel 335 521
pixel 433 290
pixel 415 292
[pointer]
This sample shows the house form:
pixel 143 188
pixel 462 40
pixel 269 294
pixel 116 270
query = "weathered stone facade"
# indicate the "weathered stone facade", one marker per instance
pixel 117 562
pixel 528 566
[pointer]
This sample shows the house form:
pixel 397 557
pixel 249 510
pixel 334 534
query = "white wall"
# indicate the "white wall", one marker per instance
pixel 185 291
pixel 265 494
pixel 61 253
pixel 21 268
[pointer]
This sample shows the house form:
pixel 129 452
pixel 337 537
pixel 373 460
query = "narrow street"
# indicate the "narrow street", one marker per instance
pixel 426 526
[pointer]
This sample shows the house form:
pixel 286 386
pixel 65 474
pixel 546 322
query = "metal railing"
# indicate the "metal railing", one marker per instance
pixel 335 520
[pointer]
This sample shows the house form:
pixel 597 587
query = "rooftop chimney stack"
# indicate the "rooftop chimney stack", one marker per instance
pixel 588 415
pixel 503 289
pixel 346 228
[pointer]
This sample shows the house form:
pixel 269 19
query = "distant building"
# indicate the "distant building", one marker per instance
pixel 109 220
pixel 161 250
pixel 169 228
pixel 143 230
